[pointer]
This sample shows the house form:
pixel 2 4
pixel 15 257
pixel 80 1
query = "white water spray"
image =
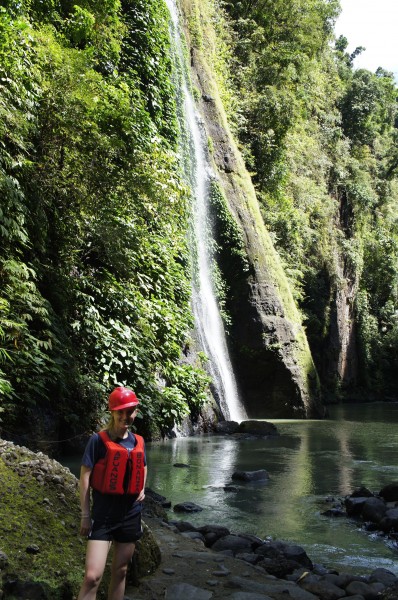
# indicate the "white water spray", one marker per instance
pixel 206 311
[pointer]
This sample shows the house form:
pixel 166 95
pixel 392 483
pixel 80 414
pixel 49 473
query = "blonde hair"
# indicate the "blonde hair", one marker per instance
pixel 110 424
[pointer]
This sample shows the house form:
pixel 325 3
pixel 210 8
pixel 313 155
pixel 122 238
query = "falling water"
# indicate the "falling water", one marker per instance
pixel 206 311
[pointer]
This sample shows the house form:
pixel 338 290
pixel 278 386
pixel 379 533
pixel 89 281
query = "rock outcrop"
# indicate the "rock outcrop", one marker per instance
pixel 41 551
pixel 270 352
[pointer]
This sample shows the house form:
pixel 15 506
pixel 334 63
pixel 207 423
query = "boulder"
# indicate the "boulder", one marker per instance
pixel 298 554
pixel 323 589
pixel 235 543
pixel 390 492
pixel 381 575
pixel 146 557
pixel 361 492
pixel 259 428
pixel 184 526
pixel 354 506
pixel 389 521
pixel 279 567
pixel 374 510
pixel 212 533
pixel 226 427
pixel 188 507
pixel 362 589
pixel 260 475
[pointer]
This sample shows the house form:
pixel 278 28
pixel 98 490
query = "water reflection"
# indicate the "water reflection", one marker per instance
pixel 308 462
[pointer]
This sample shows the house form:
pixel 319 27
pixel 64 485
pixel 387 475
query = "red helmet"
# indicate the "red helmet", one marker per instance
pixel 122 397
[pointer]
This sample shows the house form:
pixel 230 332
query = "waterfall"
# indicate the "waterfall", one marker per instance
pixel 204 304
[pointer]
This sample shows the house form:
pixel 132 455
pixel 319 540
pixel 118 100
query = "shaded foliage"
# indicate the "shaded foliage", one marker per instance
pixel 95 276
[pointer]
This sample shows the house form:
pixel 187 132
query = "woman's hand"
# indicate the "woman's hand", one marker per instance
pixel 141 495
pixel 85 526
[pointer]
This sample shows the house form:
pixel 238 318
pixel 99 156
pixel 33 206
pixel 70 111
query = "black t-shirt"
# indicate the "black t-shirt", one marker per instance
pixel 111 507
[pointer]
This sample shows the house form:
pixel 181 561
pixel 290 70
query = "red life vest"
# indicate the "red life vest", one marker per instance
pixel 122 470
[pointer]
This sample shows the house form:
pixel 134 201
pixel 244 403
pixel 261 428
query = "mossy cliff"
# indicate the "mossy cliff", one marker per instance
pixel 270 352
pixel 41 551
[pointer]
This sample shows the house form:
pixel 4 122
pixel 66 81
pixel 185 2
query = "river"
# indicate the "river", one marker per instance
pixel 308 462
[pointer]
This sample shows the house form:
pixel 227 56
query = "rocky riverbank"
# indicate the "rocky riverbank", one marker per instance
pixel 42 555
pixel 210 562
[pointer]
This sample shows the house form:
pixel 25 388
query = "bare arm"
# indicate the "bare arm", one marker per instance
pixel 85 523
pixel 141 495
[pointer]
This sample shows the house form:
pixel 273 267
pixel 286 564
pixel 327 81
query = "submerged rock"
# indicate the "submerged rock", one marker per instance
pixel 187 507
pixel 260 475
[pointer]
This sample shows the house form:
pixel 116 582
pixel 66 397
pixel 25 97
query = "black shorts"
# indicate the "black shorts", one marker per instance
pixel 125 531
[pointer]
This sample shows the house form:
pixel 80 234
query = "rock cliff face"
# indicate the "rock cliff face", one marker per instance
pixel 269 349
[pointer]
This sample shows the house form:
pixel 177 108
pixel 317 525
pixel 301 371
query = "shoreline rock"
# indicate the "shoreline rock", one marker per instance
pixel 222 564
pixel 376 511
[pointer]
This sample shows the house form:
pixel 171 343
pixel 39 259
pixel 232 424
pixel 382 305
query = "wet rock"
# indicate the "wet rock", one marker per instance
pixel 212 533
pixel 334 512
pixel 234 543
pixel 260 475
pixel 298 554
pixel 361 492
pixel 362 589
pixel 249 557
pixel 184 526
pixel 279 567
pixel 269 550
pixel 260 428
pixel 390 520
pixel 188 507
pixel 374 510
pixel 323 589
pixel 354 505
pixel 286 589
pixel 342 579
pixel 226 427
pixel 152 500
pixel 383 576
pixel 181 466
pixel 390 492
pixel 218 530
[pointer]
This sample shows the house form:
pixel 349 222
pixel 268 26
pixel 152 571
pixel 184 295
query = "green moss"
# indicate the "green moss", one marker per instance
pixel 42 516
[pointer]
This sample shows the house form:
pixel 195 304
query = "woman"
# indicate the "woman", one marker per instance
pixel 114 465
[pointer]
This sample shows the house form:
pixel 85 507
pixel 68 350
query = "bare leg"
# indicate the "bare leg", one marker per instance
pixel 122 554
pixel 96 555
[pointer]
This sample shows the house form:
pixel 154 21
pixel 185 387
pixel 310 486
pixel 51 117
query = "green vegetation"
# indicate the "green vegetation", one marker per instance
pixel 94 268
pixel 320 138
pixel 94 214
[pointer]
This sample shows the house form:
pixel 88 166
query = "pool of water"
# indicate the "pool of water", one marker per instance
pixel 308 462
